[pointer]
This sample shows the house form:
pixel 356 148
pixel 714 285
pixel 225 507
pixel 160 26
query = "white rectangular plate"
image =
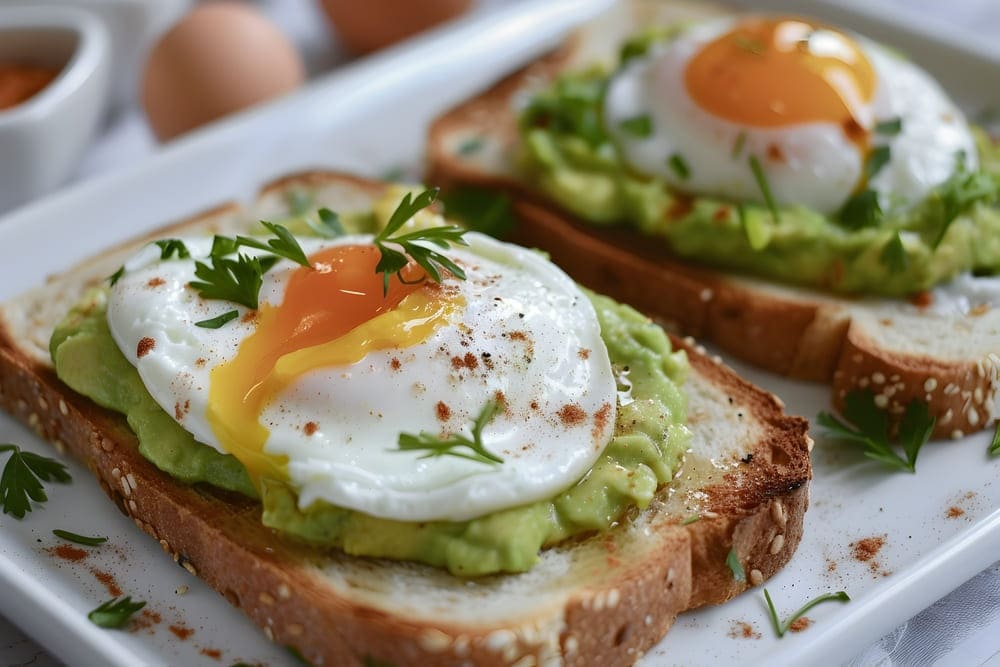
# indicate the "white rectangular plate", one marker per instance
pixel 940 526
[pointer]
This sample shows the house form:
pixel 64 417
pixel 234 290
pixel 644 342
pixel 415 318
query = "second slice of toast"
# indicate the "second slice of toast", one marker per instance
pixel 948 358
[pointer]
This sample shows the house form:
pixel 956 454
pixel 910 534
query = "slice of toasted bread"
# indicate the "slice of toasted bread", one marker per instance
pixel 900 351
pixel 598 600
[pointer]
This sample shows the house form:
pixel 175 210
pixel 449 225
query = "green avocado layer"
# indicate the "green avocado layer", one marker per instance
pixel 650 439
pixel 567 153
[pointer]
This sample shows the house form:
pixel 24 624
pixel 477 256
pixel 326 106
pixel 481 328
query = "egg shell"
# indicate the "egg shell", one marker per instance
pixel 220 58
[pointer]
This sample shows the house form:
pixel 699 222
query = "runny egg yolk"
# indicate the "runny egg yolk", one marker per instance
pixel 776 72
pixel 332 314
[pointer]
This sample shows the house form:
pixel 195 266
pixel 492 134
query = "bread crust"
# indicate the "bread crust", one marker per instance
pixel 799 333
pixel 627 586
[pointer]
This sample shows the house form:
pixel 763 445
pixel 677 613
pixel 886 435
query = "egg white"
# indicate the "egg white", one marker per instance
pixel 819 166
pixel 556 358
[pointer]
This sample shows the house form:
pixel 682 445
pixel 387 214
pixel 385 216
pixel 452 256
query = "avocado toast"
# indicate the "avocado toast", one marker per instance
pixel 937 347
pixel 602 610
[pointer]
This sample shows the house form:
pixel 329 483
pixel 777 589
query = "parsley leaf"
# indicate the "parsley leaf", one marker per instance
pixel 329 225
pixel 115 612
pixel 679 166
pixel 471 145
pixel 757 233
pixel 436 446
pixel 573 106
pixel 217 322
pixel 170 247
pixel 299 202
pixel 959 193
pixel 995 445
pixel 283 245
pixel 871 429
pixel 393 261
pixel 117 275
pixel 741 140
pixel 861 210
pixel 765 187
pixel 21 481
pixel 637 126
pixel 782 627
pixel 894 255
pixel 733 561
pixel 691 519
pixel 877 158
pixel 222 246
pixel 915 429
pixel 79 539
pixel 237 280
pixel 889 127
pixel 483 210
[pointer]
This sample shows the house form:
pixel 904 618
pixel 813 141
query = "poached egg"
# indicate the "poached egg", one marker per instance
pixel 816 107
pixel 315 386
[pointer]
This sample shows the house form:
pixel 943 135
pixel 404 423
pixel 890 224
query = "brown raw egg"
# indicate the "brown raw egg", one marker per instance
pixel 220 58
pixel 370 25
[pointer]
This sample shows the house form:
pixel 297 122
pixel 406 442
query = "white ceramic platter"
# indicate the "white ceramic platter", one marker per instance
pixel 371 117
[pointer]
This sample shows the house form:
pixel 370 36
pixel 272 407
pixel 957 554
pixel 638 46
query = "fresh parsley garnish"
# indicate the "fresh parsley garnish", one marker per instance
pixel 877 158
pixel 894 255
pixel 299 202
pixel 283 244
pixel 480 209
pixel 995 445
pixel 21 481
pixel 170 247
pixel 889 127
pixel 765 187
pixel 573 107
pixel 471 145
pixel 861 210
pixel 637 126
pixel 691 519
pixel 960 192
pixel 79 539
pixel 756 232
pixel 329 225
pixel 436 446
pixel 741 141
pixel 117 275
pixel 679 166
pixel 115 612
pixel 871 429
pixel 393 261
pixel 733 561
pixel 217 322
pixel 237 280
pixel 222 246
pixel 782 627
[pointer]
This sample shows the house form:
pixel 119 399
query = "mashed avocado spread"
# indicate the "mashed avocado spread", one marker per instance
pixel 567 152
pixel 649 441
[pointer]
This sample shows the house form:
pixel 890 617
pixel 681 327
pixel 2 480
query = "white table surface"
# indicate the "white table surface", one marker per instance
pixel 961 629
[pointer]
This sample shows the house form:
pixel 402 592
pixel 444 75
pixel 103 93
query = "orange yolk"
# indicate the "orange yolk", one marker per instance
pixel 776 72
pixel 332 314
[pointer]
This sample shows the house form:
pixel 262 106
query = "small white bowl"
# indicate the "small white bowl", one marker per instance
pixel 44 137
